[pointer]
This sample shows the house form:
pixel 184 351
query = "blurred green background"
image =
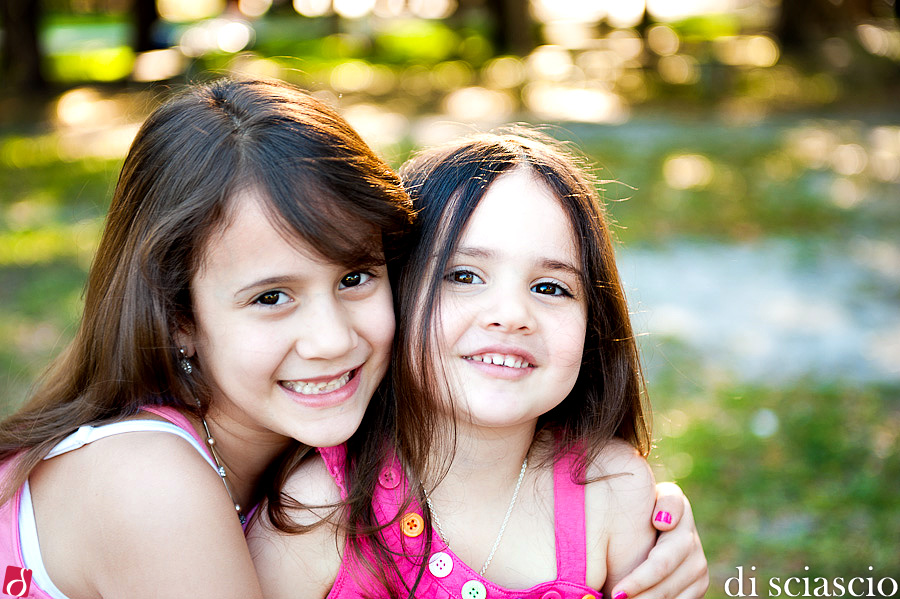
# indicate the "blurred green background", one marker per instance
pixel 752 151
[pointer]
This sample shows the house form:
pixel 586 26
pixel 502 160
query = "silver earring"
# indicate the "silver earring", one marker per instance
pixel 184 362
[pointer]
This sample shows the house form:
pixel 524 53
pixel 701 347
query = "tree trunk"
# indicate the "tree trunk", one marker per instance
pixel 146 14
pixel 512 26
pixel 804 23
pixel 21 66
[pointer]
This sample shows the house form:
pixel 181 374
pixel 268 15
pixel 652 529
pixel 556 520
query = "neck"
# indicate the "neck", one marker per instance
pixel 487 459
pixel 244 451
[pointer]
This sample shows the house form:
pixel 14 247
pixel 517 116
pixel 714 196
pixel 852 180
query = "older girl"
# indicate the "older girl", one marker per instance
pixel 238 303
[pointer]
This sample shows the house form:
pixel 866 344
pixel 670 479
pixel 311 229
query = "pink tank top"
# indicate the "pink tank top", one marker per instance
pixel 446 576
pixel 12 560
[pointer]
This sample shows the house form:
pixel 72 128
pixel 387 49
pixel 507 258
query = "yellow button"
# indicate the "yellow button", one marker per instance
pixel 412 524
pixel 588 597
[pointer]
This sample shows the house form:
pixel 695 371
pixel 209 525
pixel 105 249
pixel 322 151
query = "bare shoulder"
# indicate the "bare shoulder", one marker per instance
pixel 619 505
pixel 126 501
pixel 287 562
pixel 622 470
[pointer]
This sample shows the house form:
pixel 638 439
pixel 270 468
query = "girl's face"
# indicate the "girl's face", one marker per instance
pixel 291 343
pixel 513 315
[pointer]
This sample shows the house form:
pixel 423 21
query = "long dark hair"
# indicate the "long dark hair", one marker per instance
pixel 186 164
pixel 446 185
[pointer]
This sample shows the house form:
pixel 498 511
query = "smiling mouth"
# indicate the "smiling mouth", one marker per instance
pixel 306 388
pixel 508 360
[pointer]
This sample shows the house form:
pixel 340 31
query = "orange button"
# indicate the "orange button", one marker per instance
pixel 412 524
pixel 588 597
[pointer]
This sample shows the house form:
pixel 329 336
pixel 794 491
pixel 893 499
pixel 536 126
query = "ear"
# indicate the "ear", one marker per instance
pixel 184 338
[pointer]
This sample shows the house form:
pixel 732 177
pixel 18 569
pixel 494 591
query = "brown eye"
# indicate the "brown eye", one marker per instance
pixel 354 279
pixel 547 288
pixel 271 298
pixel 351 280
pixel 464 277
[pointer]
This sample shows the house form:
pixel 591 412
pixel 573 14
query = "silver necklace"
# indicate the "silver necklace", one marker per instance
pixel 221 469
pixel 188 368
pixel 509 510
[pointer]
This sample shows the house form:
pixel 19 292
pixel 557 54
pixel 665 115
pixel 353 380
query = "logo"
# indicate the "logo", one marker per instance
pixel 17 581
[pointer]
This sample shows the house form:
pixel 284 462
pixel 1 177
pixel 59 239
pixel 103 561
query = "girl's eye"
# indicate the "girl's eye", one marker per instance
pixel 272 298
pixel 548 288
pixel 354 279
pixel 464 277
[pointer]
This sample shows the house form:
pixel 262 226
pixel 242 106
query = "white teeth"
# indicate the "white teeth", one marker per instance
pixel 305 388
pixel 500 360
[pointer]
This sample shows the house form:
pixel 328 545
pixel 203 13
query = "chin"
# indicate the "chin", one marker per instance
pixel 330 436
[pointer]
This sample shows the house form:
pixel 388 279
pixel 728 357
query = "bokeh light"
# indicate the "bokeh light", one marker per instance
pixel 195 10
pixel 312 8
pixel 688 171
pixel 254 8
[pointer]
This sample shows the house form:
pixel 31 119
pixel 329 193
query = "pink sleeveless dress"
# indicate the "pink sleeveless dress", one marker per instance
pixel 446 576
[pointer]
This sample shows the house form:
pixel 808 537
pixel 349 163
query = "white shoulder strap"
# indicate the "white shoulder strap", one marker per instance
pixel 88 434
pixel 31 551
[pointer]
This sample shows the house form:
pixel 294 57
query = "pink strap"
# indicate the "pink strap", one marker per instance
pixel 569 515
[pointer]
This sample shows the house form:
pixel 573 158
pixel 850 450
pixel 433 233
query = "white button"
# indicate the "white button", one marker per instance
pixel 440 564
pixel 474 590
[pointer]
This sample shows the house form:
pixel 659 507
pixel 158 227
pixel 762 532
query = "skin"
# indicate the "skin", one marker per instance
pixel 511 291
pixel 268 310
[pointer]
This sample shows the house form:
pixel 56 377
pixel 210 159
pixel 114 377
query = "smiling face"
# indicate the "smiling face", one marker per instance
pixel 291 343
pixel 512 319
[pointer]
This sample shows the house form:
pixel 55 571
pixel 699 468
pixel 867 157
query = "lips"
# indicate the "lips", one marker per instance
pixel 318 387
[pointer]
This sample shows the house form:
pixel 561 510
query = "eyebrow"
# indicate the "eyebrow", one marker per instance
pixel 267 282
pixel 545 263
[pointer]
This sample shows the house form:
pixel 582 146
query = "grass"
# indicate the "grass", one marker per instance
pixel 782 479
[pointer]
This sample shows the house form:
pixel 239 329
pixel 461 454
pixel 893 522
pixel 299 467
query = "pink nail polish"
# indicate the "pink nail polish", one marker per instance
pixel 621 595
pixel 664 517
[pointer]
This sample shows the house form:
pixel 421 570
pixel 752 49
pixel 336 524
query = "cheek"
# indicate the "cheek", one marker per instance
pixel 375 322
pixel 570 344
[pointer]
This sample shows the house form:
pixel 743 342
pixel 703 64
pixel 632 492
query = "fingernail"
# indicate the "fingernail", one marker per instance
pixel 664 517
pixel 621 594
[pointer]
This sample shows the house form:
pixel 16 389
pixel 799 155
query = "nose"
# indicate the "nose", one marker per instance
pixel 326 331
pixel 508 311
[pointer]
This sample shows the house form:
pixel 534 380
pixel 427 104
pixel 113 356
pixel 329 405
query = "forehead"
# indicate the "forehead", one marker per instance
pixel 519 212
pixel 253 226
pixel 248 236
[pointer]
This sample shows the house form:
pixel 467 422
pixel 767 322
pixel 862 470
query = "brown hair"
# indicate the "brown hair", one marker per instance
pixel 186 164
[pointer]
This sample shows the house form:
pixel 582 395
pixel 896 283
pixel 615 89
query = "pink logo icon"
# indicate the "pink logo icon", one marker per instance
pixel 17 581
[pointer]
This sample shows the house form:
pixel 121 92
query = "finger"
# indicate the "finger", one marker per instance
pixel 669 508
pixel 663 560
pixel 687 582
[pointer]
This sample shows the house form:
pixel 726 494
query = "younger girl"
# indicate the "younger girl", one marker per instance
pixel 521 430
pixel 238 303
